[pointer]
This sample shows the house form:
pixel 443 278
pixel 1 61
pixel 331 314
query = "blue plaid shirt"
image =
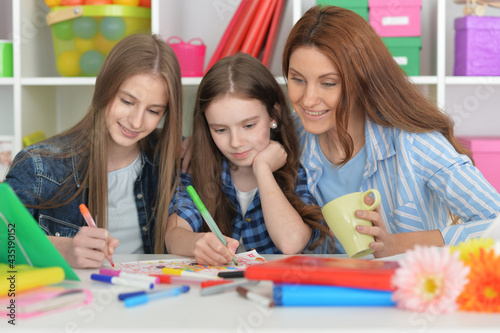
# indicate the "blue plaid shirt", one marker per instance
pixel 251 227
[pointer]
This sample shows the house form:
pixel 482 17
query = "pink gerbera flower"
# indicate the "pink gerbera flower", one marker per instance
pixel 429 279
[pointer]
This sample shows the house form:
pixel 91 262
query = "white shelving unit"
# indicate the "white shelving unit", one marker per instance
pixel 37 98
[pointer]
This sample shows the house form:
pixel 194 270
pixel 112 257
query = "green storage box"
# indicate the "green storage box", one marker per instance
pixel 360 7
pixel 406 52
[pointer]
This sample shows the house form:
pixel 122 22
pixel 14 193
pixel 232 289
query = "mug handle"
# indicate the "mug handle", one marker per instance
pixel 376 195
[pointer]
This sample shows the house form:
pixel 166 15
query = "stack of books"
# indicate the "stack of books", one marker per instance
pixel 321 281
pixel 251 30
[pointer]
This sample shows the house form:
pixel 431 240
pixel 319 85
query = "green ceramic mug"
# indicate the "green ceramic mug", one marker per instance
pixel 340 215
pixel 6 59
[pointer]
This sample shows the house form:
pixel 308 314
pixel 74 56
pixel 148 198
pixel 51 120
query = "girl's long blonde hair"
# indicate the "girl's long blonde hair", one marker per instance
pixel 135 54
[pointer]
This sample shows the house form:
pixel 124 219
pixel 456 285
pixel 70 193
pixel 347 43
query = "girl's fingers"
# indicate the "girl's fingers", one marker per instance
pixel 210 258
pixel 93 232
pixel 224 251
pixel 232 245
pixel 210 250
pixel 221 254
pixel 84 242
pixel 87 257
pixel 112 244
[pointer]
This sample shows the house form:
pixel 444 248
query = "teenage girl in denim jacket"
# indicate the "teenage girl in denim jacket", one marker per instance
pixel 114 160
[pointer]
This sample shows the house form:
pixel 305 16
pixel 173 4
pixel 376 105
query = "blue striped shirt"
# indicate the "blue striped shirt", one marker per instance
pixel 251 227
pixel 421 178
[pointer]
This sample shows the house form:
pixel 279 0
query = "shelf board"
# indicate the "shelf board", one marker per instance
pixel 186 81
pixel 83 81
pixel 191 81
pixel 58 81
pixel 195 81
pixel 6 81
pixel 472 80
pixel 424 79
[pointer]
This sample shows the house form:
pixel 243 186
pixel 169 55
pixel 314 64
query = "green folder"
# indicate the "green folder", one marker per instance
pixel 22 241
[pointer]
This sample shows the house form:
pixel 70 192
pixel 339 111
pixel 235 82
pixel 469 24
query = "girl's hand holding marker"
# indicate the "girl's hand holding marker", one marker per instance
pixel 207 217
pixel 90 221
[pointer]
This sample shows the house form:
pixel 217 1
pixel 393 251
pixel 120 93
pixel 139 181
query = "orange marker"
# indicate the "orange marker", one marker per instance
pixel 90 221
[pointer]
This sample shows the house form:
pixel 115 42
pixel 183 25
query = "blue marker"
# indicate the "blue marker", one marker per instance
pixel 122 297
pixel 146 297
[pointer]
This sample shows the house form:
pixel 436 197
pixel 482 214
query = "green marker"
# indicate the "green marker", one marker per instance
pixel 207 217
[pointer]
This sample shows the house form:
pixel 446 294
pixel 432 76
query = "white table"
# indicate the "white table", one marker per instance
pixel 228 312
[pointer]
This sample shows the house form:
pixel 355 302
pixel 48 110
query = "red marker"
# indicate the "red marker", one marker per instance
pixel 177 279
pixel 90 221
pixel 211 283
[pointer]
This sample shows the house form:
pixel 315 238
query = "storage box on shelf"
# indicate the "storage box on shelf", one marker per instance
pixel 6 58
pixel 398 23
pixel 191 55
pixel 399 18
pixel 84 35
pixel 360 7
pixel 406 52
pixel 486 155
pixel 477 46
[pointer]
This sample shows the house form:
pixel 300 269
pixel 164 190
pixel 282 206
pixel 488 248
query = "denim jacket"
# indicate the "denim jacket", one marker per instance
pixel 37 177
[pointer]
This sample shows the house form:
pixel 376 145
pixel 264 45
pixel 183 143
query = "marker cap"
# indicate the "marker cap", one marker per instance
pixel 162 278
pixel 196 198
pixel 122 297
pixel 102 278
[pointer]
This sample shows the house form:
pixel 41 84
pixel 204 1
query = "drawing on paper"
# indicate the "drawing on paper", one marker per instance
pixel 244 260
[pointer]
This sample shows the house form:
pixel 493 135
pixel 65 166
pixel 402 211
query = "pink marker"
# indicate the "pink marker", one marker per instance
pixel 112 272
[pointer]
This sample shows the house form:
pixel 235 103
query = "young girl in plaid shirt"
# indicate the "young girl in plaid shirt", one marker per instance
pixel 246 170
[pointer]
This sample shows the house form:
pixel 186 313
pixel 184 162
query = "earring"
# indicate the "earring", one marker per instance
pixel 274 125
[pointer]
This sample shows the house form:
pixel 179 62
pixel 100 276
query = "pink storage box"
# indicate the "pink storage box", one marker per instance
pixel 486 155
pixel 395 18
pixel 191 55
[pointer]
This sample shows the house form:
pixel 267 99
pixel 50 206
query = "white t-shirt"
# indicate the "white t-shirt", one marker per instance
pixel 123 222
pixel 245 199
